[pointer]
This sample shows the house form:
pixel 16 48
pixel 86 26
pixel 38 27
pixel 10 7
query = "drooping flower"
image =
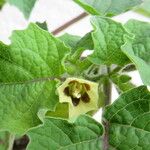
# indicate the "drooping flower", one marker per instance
pixel 82 96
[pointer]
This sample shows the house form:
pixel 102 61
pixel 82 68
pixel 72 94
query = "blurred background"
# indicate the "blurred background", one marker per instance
pixel 61 16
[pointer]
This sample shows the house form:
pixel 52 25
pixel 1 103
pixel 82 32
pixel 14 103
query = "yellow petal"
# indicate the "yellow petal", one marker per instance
pixel 83 107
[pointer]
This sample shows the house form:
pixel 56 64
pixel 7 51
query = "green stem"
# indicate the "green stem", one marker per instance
pixel 107 91
pixel 11 141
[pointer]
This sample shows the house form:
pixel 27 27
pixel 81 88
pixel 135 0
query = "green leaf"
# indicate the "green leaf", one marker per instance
pixel 25 6
pixel 70 40
pixel 138 49
pixel 4 136
pixel 128 118
pixel 122 82
pixel 107 7
pixel 20 104
pixel 61 111
pixel 108 37
pixel 74 64
pixel 33 54
pixel 78 44
pixel 84 134
pixel 42 25
pixel 2 2
pixel 27 69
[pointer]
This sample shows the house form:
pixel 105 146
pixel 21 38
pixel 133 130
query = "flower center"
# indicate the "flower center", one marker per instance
pixel 78 92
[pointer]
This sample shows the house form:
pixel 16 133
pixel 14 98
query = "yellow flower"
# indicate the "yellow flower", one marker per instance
pixel 82 96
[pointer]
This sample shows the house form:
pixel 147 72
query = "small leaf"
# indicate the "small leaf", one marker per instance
pixel 25 6
pixel 108 37
pixel 107 7
pixel 74 64
pixel 61 111
pixel 84 134
pixel 122 82
pixel 82 96
pixel 138 49
pixel 42 25
pixel 70 40
pixel 128 118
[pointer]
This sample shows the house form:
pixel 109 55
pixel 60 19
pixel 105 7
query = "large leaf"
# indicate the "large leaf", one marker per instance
pixel 27 67
pixel 33 53
pixel 129 120
pixel 84 134
pixel 21 103
pixel 138 50
pixel 108 37
pixel 25 6
pixel 107 7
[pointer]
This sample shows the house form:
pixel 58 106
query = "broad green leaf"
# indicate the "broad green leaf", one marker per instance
pixel 33 54
pixel 84 134
pixel 138 49
pixel 128 118
pixel 107 7
pixel 4 137
pixel 25 6
pixel 20 104
pixel 108 37
pixel 27 69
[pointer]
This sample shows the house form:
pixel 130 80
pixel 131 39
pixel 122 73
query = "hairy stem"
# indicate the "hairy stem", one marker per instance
pixel 107 91
pixel 11 141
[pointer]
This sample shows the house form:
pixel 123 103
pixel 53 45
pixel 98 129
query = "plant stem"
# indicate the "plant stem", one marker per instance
pixel 107 91
pixel 69 23
pixel 11 141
